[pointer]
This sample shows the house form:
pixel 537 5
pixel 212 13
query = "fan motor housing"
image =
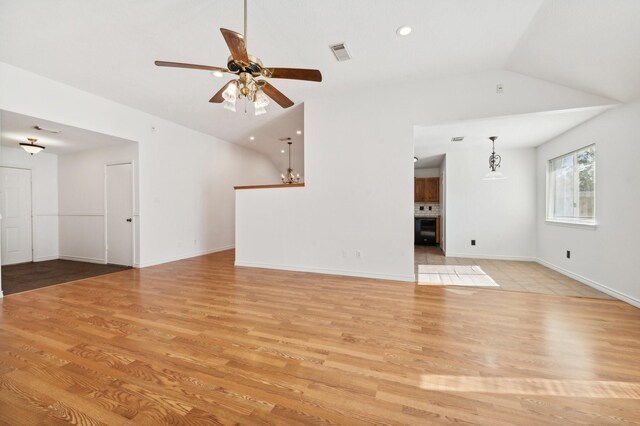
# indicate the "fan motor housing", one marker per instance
pixel 254 67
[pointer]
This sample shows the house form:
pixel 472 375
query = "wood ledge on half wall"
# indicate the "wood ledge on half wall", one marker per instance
pixel 279 185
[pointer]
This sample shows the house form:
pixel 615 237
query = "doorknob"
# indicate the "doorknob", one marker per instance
pixel 129 220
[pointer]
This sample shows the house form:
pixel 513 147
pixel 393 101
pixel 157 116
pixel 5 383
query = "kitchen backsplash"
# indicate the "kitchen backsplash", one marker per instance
pixel 435 209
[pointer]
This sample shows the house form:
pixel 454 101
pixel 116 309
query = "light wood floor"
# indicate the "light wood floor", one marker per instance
pixel 201 342
pixel 530 277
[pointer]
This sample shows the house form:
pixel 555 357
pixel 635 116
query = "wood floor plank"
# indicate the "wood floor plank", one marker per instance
pixel 201 342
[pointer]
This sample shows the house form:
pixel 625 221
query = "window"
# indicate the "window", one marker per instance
pixel 571 189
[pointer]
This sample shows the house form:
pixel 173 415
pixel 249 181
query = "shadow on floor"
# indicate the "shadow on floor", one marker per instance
pixel 32 275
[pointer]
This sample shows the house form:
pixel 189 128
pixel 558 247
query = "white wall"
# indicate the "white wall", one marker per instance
pixel 426 173
pixel 359 174
pixel 81 178
pixel 44 196
pixel 500 215
pixel 186 177
pixel 606 256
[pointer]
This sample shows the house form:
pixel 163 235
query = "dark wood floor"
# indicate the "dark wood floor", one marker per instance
pixel 201 342
pixel 32 275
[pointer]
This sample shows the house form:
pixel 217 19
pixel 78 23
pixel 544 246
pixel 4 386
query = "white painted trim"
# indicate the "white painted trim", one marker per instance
pixel 83 259
pixel 45 258
pixel 106 212
pixel 183 256
pixel 81 214
pixel 492 257
pixel 405 278
pixel 593 284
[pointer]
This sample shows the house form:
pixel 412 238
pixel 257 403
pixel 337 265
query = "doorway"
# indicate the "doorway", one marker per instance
pixel 119 214
pixel 15 190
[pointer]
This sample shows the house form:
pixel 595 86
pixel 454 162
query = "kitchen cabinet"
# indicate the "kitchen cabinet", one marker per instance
pixel 426 190
pixel 418 190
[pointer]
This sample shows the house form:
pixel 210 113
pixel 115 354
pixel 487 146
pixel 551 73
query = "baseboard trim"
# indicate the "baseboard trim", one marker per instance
pixel 182 256
pixel 82 259
pixel 45 258
pixel 358 274
pixel 593 284
pixel 491 257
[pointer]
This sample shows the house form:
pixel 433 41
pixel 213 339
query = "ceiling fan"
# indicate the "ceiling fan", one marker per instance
pixel 248 68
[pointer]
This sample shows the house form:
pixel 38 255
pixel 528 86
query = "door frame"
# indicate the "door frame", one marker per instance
pixel 30 212
pixel 133 208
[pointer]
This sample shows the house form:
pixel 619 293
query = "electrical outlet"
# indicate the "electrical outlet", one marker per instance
pixel 473 242
pixel 358 254
pixel 344 254
pixel 568 254
pixel 499 88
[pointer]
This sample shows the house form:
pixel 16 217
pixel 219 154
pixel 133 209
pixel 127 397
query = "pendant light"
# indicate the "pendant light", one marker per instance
pixel 31 147
pixel 289 177
pixel 494 163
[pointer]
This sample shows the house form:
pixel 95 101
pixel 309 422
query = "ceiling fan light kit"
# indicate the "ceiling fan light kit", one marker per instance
pixel 248 69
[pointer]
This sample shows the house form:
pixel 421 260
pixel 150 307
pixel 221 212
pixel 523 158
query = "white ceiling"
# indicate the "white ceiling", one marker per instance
pixel 514 131
pixel 590 45
pixel 17 128
pixel 108 48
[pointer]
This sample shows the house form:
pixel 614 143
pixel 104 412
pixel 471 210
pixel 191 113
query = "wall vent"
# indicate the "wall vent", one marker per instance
pixel 457 139
pixel 341 52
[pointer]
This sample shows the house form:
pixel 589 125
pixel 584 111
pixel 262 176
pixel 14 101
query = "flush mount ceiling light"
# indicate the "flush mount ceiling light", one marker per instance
pixel 404 30
pixel 248 68
pixel 31 147
pixel 494 163
pixel 290 177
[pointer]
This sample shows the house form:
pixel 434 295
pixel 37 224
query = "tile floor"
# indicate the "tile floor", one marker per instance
pixel 510 275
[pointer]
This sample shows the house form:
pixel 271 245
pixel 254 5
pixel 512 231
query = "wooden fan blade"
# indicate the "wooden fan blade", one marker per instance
pixel 236 45
pixel 277 95
pixel 293 73
pixel 217 98
pixel 191 66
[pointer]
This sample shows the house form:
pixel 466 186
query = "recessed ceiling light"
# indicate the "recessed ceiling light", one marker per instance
pixel 404 30
pixel 251 138
pixel 217 74
pixel 282 151
pixel 299 132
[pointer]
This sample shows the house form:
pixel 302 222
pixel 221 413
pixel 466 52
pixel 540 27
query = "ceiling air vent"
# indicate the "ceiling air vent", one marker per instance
pixel 457 139
pixel 341 52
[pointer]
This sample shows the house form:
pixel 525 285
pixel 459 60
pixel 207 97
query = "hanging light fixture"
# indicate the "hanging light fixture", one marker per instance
pixel 494 163
pixel 289 177
pixel 31 147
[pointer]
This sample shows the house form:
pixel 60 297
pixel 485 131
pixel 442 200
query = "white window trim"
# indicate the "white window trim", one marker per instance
pixel 572 222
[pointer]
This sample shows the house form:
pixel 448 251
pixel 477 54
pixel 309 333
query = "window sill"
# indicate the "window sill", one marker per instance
pixel 573 223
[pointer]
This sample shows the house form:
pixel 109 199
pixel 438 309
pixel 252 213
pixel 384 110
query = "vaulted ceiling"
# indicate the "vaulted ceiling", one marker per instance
pixel 108 48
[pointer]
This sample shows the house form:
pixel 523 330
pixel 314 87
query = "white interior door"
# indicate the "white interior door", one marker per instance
pixel 119 214
pixel 15 190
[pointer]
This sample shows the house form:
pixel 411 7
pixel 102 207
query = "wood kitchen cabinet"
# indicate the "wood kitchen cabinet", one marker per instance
pixel 426 190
